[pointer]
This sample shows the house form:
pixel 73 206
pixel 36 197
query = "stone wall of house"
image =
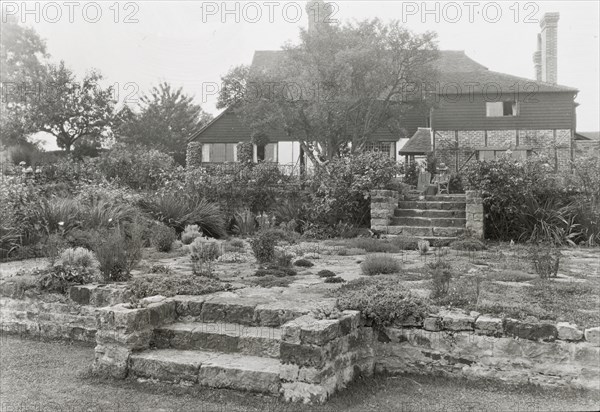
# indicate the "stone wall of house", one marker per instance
pixel 383 204
pixel 456 148
pixel 478 346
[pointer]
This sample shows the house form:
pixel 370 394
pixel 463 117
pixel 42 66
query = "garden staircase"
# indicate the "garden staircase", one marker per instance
pixel 439 219
pixel 237 340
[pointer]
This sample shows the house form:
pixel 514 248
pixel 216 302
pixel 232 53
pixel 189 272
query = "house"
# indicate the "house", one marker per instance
pixel 478 114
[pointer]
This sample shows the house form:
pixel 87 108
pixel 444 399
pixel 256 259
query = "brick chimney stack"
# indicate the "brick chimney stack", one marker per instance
pixel 537 59
pixel 549 47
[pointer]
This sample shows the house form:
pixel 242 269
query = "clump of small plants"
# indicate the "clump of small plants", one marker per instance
pixel 325 273
pixel 305 263
pixel 335 279
pixel 423 246
pixel 380 264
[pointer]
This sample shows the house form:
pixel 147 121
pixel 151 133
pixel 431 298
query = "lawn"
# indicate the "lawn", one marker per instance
pixel 53 376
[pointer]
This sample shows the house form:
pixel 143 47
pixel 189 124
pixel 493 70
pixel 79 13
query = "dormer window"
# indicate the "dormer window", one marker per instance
pixel 501 109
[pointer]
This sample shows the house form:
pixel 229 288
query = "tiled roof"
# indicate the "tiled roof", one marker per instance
pixel 587 136
pixel 455 67
pixel 420 143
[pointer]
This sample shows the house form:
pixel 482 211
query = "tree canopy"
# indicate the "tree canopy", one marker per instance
pixel 164 120
pixel 337 87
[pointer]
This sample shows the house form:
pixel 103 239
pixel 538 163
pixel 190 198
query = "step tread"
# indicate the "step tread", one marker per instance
pixel 229 329
pixel 212 369
pixel 206 358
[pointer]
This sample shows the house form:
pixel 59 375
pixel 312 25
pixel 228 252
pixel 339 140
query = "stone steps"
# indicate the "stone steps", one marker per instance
pixel 250 307
pixel 205 368
pixel 219 337
pixel 461 214
pixel 426 232
pixel 429 222
pixel 431 205
pixel 437 198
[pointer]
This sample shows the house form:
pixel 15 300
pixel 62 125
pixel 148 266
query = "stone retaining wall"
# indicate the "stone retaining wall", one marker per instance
pixel 383 204
pixel 474 214
pixel 123 329
pixel 319 357
pixel 473 346
pixel 43 316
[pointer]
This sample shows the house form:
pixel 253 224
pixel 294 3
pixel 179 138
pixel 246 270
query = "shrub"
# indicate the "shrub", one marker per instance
pixel 379 265
pixel 545 259
pixel 335 279
pixel 233 257
pixel 165 270
pixel 275 271
pixel 283 259
pixel 383 301
pixel 190 233
pixel 245 223
pixel 305 263
pixel 263 247
pixel 351 251
pixel 325 273
pixel 58 215
pixel 136 166
pixel 60 278
pixel 411 174
pixel 9 241
pixel 79 258
pixel 423 246
pixel 159 284
pixel 441 274
pixel 205 250
pixel 523 200
pixel 111 249
pixel 339 192
pixel 203 253
pixel 469 244
pixel 177 211
pixel 163 237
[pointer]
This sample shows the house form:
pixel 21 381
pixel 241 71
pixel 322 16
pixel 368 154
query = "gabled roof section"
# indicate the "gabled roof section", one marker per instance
pixel 587 136
pixel 454 67
pixel 419 143
pixel 480 80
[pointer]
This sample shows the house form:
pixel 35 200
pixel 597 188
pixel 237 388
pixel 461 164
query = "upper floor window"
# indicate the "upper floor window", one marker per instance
pixel 501 109
pixel 387 148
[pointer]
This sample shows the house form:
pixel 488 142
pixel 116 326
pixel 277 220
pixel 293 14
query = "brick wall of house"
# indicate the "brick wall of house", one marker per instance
pixel 458 148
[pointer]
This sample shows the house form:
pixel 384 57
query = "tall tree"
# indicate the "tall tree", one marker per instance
pixel 22 71
pixel 72 110
pixel 337 87
pixel 164 120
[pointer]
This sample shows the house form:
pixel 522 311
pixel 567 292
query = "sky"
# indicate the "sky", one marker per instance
pixel 136 45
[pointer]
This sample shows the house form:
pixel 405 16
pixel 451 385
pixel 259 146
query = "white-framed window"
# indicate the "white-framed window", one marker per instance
pixel 387 148
pixel 502 109
pixel 219 152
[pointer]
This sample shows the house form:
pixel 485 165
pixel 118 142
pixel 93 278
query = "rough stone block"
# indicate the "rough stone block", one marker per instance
pixel 303 355
pixel 288 372
pixel 135 340
pixel 111 361
pixel 457 321
pixel 81 293
pixel 432 324
pixel 487 325
pixel 320 332
pixel 592 335
pixel 568 331
pixel 533 331
pixel 349 321
pixel 290 332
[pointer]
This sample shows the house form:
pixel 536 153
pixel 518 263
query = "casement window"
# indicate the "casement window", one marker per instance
pixel 502 109
pixel 267 153
pixel 219 152
pixel 388 148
